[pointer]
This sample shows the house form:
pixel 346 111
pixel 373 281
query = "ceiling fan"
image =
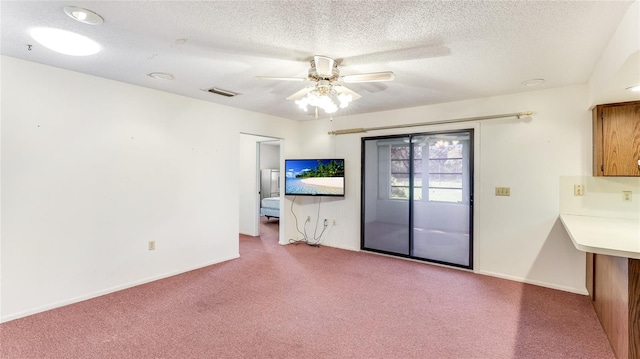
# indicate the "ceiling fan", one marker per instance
pixel 327 86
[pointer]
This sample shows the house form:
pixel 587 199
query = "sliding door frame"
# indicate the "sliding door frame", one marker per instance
pixel 470 177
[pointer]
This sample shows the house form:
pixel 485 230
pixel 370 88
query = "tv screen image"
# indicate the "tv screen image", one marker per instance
pixel 314 177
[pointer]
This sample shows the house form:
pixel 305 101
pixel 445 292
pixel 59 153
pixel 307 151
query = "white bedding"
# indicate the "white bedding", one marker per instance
pixel 270 207
pixel 272 202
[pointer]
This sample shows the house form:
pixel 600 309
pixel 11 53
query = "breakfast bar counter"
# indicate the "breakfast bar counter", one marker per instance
pixel 602 235
pixel 612 247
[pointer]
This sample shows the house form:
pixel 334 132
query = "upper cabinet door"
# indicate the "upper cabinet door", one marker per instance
pixel 617 139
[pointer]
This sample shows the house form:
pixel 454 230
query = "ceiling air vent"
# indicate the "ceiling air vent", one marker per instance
pixel 222 92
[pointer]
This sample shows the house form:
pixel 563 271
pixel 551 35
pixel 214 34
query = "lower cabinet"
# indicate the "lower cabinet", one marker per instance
pixel 614 287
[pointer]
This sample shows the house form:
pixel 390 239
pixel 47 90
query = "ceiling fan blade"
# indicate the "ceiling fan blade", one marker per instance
pixel 370 77
pixel 297 79
pixel 344 90
pixel 301 93
pixel 324 65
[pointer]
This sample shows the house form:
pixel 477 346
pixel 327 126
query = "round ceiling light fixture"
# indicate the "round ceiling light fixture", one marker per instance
pixel 83 15
pixel 161 76
pixel 65 42
pixel 533 82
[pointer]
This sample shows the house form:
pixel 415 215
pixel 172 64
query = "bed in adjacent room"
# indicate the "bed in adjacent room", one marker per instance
pixel 270 207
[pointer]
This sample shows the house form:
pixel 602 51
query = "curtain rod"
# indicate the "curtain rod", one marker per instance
pixel 362 130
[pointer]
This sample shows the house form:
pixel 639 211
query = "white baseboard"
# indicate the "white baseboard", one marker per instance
pixel 582 291
pixel 340 247
pixel 99 293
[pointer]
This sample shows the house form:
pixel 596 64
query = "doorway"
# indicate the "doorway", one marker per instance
pixel 269 185
pixel 249 181
pixel 417 196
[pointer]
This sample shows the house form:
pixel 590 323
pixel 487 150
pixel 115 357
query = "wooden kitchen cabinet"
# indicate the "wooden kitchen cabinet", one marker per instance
pixel 614 288
pixel 616 139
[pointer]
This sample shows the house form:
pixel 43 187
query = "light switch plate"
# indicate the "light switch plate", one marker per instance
pixel 503 191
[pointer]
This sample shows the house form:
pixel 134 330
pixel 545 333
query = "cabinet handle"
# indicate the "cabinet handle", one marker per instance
pixel 639 162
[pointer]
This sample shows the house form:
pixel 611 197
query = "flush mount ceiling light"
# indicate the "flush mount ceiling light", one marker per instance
pixel 65 42
pixel 83 15
pixel 161 76
pixel 533 82
pixel 635 88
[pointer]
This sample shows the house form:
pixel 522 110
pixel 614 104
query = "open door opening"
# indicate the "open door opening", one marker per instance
pixel 258 153
pixel 269 180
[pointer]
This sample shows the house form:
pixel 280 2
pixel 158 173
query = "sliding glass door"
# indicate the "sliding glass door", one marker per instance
pixel 417 196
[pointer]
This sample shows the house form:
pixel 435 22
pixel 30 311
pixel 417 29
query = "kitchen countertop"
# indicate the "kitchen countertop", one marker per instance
pixel 602 235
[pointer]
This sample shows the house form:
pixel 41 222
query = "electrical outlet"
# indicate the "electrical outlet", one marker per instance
pixel 578 190
pixel 503 191
pixel 627 196
pixel 152 245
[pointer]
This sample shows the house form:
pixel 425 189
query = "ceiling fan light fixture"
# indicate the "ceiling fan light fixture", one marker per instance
pixel 324 98
pixel 316 99
pixel 345 100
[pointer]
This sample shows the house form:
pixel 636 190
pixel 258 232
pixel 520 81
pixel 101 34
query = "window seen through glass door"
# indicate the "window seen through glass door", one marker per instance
pixel 444 171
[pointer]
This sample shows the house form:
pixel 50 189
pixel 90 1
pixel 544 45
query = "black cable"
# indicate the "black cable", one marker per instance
pixel 304 239
pixel 316 239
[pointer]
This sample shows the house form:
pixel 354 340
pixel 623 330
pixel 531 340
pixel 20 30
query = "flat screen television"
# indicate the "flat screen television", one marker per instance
pixel 314 177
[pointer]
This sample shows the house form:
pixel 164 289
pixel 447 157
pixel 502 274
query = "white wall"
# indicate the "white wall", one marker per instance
pixel 619 65
pixel 269 155
pixel 93 169
pixel 602 197
pixel 517 237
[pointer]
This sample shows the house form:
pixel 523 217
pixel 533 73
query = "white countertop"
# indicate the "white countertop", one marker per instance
pixel 611 236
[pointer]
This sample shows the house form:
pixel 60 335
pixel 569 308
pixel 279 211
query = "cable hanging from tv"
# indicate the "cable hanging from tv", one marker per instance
pixel 315 242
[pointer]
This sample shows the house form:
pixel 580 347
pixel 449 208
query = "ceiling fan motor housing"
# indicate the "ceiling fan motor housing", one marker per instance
pixel 323 68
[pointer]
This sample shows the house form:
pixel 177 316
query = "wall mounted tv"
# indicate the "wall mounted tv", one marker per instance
pixel 314 177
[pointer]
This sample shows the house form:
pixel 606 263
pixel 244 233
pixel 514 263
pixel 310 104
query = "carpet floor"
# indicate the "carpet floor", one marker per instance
pixel 298 301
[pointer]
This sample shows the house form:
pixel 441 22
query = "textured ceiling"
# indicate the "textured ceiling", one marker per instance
pixel 439 51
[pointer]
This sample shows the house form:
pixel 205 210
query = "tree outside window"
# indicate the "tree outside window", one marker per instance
pixel 443 172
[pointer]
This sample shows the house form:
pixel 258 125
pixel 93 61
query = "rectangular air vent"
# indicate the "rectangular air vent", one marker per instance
pixel 222 92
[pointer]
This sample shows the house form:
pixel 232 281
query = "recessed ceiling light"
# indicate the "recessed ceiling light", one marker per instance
pixel 83 15
pixel 65 42
pixel 635 88
pixel 161 75
pixel 533 82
